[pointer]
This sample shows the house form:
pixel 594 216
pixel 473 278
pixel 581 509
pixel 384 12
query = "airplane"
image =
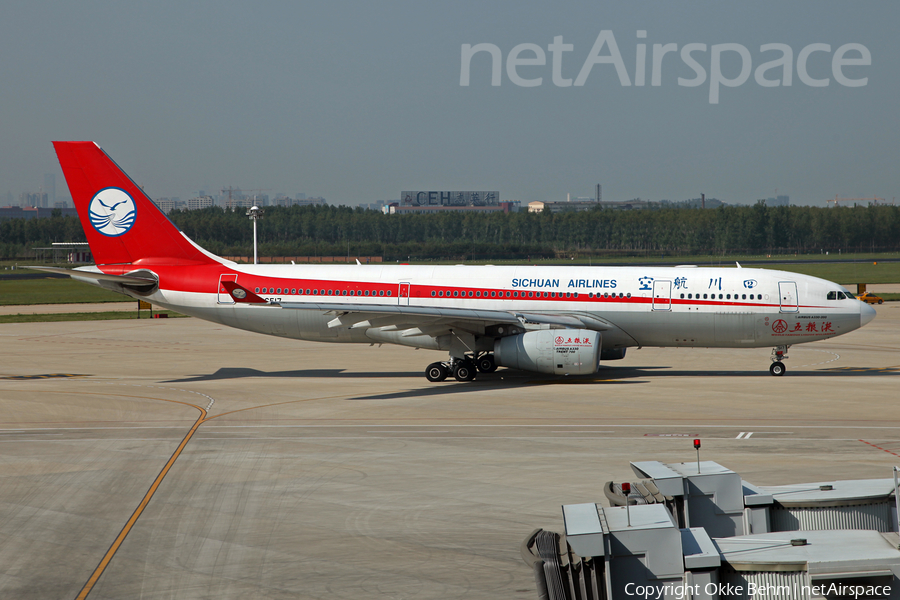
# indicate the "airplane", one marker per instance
pixel 545 319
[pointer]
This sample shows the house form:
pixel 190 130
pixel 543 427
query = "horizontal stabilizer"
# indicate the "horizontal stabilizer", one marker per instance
pixel 98 276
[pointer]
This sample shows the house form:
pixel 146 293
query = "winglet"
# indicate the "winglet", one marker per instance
pixel 738 265
pixel 242 295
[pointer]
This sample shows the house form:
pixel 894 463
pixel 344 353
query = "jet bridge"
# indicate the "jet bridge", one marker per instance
pixel 698 531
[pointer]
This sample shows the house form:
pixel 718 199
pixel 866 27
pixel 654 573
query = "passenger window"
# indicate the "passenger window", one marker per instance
pixel 743 296
pixel 257 290
pixel 704 296
pixel 507 294
pixel 531 294
pixel 682 296
pixel 455 293
pixel 381 292
pixel 470 294
pixel 728 296
pixel 433 293
pixel 516 294
pixel 493 294
pixel 478 294
pixel 389 292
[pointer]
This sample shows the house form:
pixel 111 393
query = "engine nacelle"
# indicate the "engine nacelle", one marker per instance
pixel 558 351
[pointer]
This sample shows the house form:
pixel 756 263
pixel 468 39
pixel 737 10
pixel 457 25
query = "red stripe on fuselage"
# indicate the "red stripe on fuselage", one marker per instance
pixel 204 279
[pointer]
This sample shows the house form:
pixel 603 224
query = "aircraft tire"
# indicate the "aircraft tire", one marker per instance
pixel 486 364
pixel 465 371
pixel 436 372
pixel 777 369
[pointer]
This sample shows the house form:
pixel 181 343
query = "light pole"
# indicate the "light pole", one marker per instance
pixel 254 212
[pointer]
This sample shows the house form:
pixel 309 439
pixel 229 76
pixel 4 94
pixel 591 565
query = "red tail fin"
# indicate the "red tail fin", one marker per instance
pixel 121 223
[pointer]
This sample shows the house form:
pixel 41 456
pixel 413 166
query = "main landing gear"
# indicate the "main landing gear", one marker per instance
pixel 462 369
pixel 779 354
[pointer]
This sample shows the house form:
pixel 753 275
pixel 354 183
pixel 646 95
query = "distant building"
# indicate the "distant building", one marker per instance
pixel 778 201
pixel 456 198
pixel 286 201
pixel 33 200
pixel 200 202
pixel 50 189
pixel 167 205
pixel 377 205
pixel 233 203
pixel 395 208
pixel 312 201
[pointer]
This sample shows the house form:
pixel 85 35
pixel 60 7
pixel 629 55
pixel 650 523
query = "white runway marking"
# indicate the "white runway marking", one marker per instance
pixel 835 354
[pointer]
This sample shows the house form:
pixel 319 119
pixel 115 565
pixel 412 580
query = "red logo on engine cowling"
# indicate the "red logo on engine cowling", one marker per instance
pixel 779 326
pixel 560 339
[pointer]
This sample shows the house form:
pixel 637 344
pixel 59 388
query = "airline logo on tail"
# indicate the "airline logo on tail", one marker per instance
pixel 112 212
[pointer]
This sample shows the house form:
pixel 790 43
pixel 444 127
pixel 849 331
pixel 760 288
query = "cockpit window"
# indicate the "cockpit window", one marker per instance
pixel 834 295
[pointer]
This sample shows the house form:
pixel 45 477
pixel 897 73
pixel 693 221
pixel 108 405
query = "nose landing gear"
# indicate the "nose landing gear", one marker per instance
pixel 779 354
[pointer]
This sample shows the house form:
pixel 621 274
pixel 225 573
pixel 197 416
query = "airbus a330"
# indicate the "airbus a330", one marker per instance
pixel 560 320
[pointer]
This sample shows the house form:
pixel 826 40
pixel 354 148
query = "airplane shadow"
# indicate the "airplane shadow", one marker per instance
pixel 245 373
pixel 506 379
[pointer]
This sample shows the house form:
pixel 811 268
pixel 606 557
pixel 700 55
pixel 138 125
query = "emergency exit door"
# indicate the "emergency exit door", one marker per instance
pixel 403 294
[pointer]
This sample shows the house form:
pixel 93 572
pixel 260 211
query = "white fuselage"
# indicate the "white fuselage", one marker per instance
pixel 635 306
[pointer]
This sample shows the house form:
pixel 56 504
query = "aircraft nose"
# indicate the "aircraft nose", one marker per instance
pixel 866 314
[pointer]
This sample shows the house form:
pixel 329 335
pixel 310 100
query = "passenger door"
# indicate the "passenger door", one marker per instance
pixel 403 294
pixel 787 293
pixel 223 296
pixel 662 295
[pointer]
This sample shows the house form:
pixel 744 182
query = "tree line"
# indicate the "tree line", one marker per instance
pixel 339 231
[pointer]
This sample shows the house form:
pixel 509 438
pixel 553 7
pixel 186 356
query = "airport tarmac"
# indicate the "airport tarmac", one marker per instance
pixel 181 459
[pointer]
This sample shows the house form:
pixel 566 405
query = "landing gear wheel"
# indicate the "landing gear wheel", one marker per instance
pixel 777 369
pixel 465 371
pixel 436 372
pixel 486 364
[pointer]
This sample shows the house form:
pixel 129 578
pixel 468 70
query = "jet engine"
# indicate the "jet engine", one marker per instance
pixel 558 351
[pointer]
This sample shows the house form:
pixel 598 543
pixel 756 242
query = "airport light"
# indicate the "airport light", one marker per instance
pixel 697 448
pixel 254 212
pixel 626 489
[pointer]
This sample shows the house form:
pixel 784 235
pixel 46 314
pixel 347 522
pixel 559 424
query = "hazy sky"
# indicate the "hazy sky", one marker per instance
pixel 356 101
